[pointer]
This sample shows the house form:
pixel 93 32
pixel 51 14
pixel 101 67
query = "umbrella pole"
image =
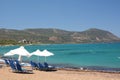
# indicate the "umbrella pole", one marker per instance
pixel 45 58
pixel 12 57
pixel 20 58
pixel 38 58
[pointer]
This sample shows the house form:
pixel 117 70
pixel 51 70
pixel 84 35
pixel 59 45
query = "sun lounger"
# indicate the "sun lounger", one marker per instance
pixel 48 67
pixel 23 70
pixel 6 62
pixel 16 67
pixel 41 67
pixel 34 65
pixel 16 61
pixel 13 66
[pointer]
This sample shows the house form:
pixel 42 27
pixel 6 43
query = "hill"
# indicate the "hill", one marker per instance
pixel 10 36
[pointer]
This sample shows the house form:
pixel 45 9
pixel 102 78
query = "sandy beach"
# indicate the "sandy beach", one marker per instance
pixel 6 74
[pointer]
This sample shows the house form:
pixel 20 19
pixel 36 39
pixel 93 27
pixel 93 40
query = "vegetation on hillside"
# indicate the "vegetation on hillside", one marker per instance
pixel 38 36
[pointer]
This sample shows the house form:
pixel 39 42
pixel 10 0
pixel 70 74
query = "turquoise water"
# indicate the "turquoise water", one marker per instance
pixel 100 54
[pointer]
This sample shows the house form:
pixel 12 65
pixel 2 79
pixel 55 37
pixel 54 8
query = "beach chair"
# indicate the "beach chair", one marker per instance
pixel 6 62
pixel 16 61
pixel 48 67
pixel 13 66
pixel 23 70
pixel 34 65
pixel 41 67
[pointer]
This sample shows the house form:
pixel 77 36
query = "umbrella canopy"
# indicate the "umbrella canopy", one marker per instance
pixel 46 53
pixel 21 51
pixel 9 53
pixel 37 53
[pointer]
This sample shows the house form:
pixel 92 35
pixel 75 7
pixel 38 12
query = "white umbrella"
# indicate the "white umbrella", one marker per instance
pixel 21 51
pixel 37 53
pixel 9 53
pixel 46 53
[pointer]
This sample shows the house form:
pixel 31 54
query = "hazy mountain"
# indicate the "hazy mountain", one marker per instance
pixel 57 36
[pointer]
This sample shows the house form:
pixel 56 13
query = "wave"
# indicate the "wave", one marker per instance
pixel 118 57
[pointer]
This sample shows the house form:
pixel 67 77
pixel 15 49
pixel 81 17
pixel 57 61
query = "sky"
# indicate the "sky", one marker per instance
pixel 71 15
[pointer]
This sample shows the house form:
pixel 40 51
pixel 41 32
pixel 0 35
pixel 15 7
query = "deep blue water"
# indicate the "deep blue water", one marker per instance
pixel 99 54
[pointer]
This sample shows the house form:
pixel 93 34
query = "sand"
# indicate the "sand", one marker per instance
pixel 6 74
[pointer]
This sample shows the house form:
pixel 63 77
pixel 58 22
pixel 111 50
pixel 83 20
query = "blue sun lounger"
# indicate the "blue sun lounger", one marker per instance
pixel 49 68
pixel 34 65
pixel 22 70
pixel 16 67
pixel 41 67
pixel 13 67
pixel 6 62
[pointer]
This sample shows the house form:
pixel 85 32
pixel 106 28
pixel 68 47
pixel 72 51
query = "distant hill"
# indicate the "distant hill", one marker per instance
pixel 56 36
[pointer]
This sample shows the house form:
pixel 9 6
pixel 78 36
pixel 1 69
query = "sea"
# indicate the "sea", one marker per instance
pixel 93 56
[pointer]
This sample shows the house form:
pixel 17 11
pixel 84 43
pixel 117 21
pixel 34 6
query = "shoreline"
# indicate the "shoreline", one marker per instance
pixel 82 68
pixel 79 70
pixel 61 74
pixel 60 43
pixel 88 68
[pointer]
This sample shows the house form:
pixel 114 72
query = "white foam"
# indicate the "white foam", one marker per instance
pixel 118 57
